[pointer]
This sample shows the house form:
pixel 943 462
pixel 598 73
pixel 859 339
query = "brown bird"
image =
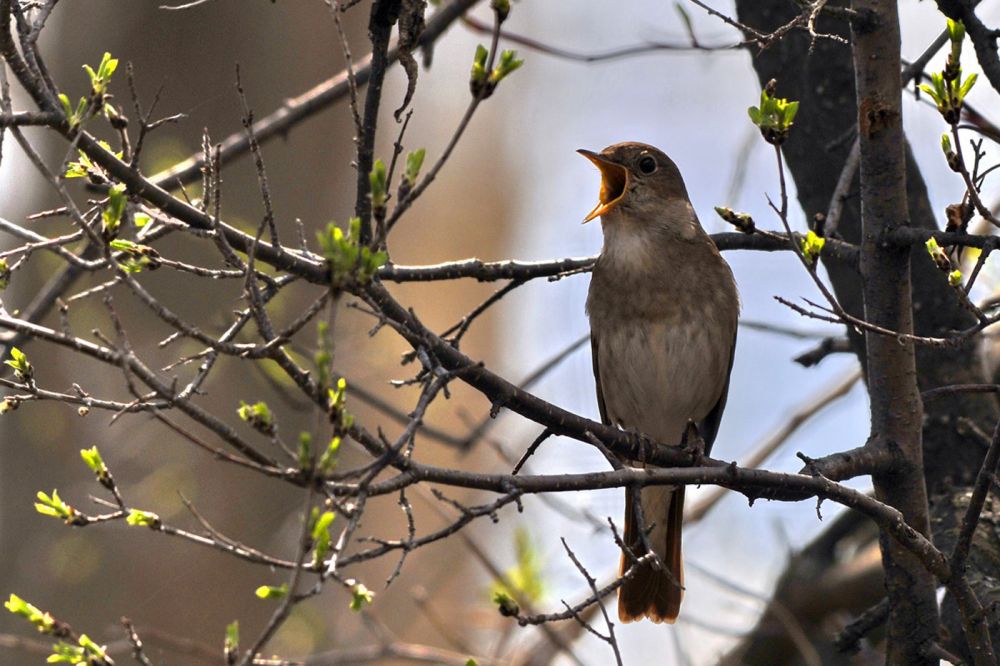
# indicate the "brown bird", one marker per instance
pixel 663 308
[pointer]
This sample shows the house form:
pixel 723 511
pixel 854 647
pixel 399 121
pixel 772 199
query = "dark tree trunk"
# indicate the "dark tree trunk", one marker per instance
pixel 821 76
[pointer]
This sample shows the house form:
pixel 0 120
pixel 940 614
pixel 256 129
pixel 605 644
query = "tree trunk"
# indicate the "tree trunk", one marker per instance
pixel 820 75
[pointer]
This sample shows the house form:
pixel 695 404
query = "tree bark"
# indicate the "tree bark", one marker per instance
pixel 820 74
pixel 896 407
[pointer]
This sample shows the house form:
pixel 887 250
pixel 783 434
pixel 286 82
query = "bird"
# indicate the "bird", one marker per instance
pixel 663 308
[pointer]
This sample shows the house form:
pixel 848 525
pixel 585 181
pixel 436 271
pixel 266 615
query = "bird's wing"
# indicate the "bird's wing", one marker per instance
pixel 709 426
pixel 597 380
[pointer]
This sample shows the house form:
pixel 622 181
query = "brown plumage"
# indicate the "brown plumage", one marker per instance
pixel 663 309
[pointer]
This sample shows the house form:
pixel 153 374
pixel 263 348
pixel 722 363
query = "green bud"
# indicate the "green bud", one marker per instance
pixel 361 596
pixel 505 604
pixel 138 518
pixel 775 116
pixel 501 8
pixel 258 416
pixel 100 79
pixel 272 591
pixel 92 457
pixel 379 187
pixel 113 211
pixel 414 161
pixel 812 246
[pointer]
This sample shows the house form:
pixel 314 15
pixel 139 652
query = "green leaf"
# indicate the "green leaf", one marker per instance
pixel 955 278
pixel 930 91
pixel 4 274
pixel 508 63
pixel 967 86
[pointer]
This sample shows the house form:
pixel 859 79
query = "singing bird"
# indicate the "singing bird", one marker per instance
pixel 663 310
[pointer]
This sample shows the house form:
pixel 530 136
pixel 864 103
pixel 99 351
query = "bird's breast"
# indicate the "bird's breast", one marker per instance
pixel 656 376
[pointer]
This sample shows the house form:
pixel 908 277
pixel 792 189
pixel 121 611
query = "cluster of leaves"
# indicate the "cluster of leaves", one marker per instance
pixel 349 261
pixel 812 246
pixel 92 458
pixel 483 83
pixel 258 416
pixel 99 81
pixel 775 115
pixel 53 505
pixel 23 369
pixel 136 257
pixel 85 653
pixel 85 167
pixel 4 274
pixel 947 88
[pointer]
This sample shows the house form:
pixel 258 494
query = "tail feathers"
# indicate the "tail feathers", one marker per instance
pixel 653 593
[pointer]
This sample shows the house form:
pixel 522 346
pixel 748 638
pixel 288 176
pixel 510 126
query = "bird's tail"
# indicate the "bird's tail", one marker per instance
pixel 652 592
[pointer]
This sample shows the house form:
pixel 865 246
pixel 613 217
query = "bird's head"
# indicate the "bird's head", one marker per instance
pixel 636 180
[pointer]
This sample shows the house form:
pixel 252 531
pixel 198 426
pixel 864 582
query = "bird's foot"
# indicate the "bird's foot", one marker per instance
pixel 693 442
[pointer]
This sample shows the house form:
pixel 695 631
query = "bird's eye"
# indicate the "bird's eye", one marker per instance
pixel 647 164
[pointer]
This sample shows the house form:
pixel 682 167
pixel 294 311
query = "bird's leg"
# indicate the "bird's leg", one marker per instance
pixel 644 444
pixel 693 441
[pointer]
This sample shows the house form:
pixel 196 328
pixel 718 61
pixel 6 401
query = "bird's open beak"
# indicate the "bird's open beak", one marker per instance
pixel 614 180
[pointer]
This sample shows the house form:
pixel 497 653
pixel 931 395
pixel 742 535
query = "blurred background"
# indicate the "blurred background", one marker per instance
pixel 513 189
